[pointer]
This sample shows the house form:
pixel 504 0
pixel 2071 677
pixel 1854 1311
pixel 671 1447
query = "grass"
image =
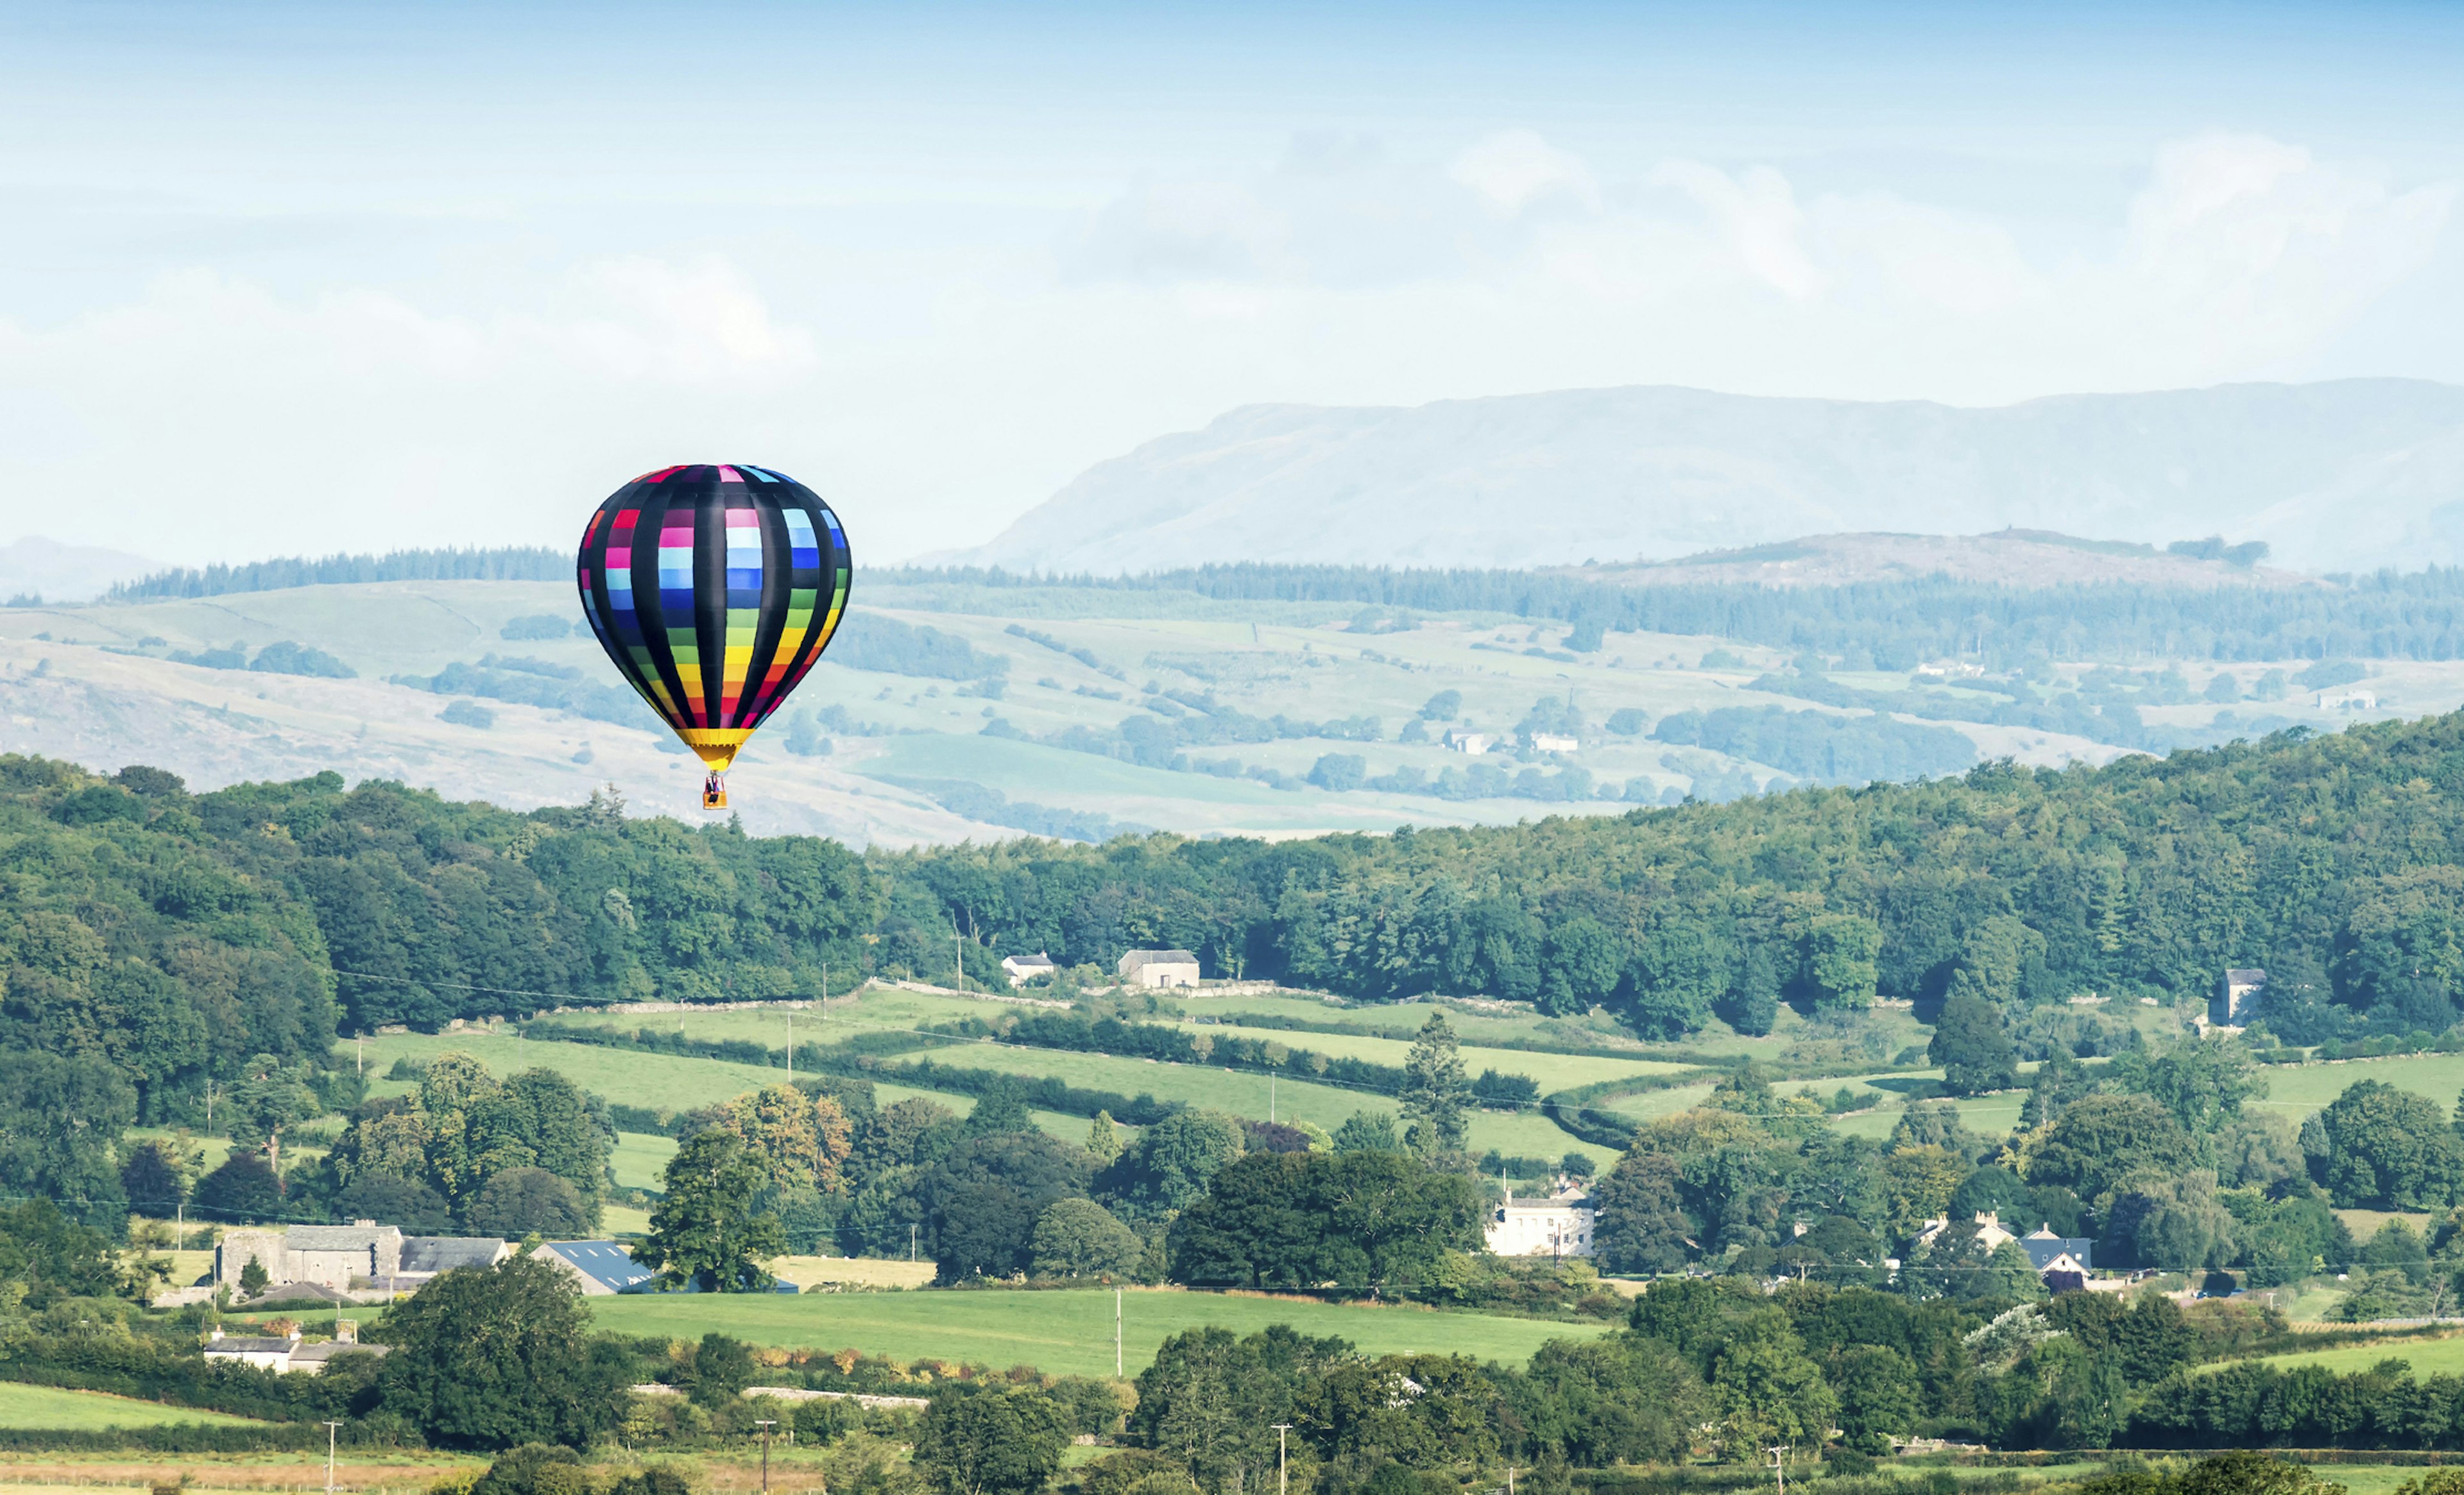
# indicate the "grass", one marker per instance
pixel 1062 1332
pixel 2298 1089
pixel 86 1411
pixel 641 1158
pixel 392 1469
pixel 678 1083
pixel 666 1081
pixel 2443 1356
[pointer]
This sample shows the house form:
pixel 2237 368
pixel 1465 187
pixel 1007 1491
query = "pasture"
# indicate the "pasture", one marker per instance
pixel 51 1407
pixel 1064 1332
pixel 2441 1356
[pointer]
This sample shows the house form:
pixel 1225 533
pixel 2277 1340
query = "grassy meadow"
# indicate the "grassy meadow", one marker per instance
pixel 51 1407
pixel 1063 1331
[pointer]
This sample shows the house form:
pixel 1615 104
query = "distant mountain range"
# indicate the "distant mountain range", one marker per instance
pixel 37 567
pixel 2346 475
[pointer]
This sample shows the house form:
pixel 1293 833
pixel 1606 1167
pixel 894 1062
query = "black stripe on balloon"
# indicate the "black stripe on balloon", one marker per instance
pixel 656 502
pixel 710 590
pixel 776 554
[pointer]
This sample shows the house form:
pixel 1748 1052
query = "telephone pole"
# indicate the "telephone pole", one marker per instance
pixel 1779 1471
pixel 1282 1462
pixel 330 1430
pixel 766 1425
pixel 791 1048
pixel 1117 1333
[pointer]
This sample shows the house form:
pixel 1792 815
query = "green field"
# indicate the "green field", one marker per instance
pixel 2298 1089
pixel 2427 1356
pixel 84 1411
pixel 641 1158
pixel 1062 1332
pixel 665 1082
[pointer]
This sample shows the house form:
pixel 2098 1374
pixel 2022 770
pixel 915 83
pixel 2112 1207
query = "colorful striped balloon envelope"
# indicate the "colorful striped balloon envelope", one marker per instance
pixel 714 589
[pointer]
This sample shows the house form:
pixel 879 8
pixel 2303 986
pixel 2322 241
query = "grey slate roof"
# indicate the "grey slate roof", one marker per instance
pixel 2044 1245
pixel 337 1238
pixel 1138 957
pixel 444 1253
pixel 318 1354
pixel 605 1261
pixel 250 1344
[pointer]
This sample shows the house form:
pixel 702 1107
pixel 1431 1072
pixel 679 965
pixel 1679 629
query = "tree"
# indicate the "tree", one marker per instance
pixel 2102 1139
pixel 1970 1043
pixel 1368 1131
pixel 1000 1108
pixel 1300 1218
pixel 991 1441
pixel 414 1207
pixel 254 1278
pixel 1767 1391
pixel 2203 1083
pixel 799 1139
pixel 1880 1395
pixel 241 1191
pixel 1168 1167
pixel 155 1177
pixel 1209 1400
pixel 982 1202
pixel 1918 1183
pixel 47 1256
pixel 57 1118
pixel 704 1229
pixel 2390 1148
pixel 1104 1140
pixel 1079 1237
pixel 528 1201
pixel 1437 1090
pixel 496 1357
pixel 1638 1226
pixel 1841 951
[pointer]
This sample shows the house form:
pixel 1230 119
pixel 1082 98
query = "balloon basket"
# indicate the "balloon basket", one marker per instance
pixel 713 793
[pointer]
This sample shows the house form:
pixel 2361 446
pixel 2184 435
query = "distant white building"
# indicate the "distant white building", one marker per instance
pixel 1159 968
pixel 2348 700
pixel 1554 742
pixel 1991 1237
pixel 1471 743
pixel 1022 969
pixel 289 1356
pixel 1558 1225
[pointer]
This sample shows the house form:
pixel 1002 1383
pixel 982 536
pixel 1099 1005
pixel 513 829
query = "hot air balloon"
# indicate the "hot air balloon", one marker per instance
pixel 714 589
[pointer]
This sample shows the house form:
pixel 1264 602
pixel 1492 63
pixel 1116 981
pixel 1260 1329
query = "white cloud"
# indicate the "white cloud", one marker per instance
pixel 221 415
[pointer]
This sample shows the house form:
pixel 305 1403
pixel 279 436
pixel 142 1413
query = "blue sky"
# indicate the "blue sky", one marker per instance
pixel 293 277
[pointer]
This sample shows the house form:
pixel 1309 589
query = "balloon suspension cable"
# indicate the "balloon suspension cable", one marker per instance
pixel 714 791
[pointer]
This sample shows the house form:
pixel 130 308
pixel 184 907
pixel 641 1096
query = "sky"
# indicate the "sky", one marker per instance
pixel 283 279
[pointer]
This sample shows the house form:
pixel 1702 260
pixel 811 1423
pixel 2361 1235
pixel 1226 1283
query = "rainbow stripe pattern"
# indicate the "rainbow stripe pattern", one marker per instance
pixel 714 589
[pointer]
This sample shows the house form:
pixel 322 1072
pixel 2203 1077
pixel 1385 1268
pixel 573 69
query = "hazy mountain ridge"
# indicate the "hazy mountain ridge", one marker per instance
pixel 2013 557
pixel 2346 475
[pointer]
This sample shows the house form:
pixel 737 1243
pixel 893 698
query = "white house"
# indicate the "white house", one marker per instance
pixel 1991 1237
pixel 1554 742
pixel 1558 1225
pixel 1471 743
pixel 289 1356
pixel 1022 969
pixel 2355 700
pixel 1159 968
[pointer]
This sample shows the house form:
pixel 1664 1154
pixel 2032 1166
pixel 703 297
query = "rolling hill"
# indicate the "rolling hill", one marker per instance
pixel 2351 475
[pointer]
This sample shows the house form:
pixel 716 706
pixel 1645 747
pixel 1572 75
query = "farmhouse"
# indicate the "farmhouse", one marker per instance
pixel 1159 968
pixel 289 1356
pixel 1022 969
pixel 1471 743
pixel 340 1258
pixel 1558 1225
pixel 1552 743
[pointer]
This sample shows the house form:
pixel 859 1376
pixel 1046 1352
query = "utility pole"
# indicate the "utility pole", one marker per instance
pixel 791 1048
pixel 330 1429
pixel 1117 1333
pixel 958 955
pixel 911 1243
pixel 209 1108
pixel 1283 1463
pixel 766 1425
pixel 1779 1471
pixel 363 1069
pixel 1270 1100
